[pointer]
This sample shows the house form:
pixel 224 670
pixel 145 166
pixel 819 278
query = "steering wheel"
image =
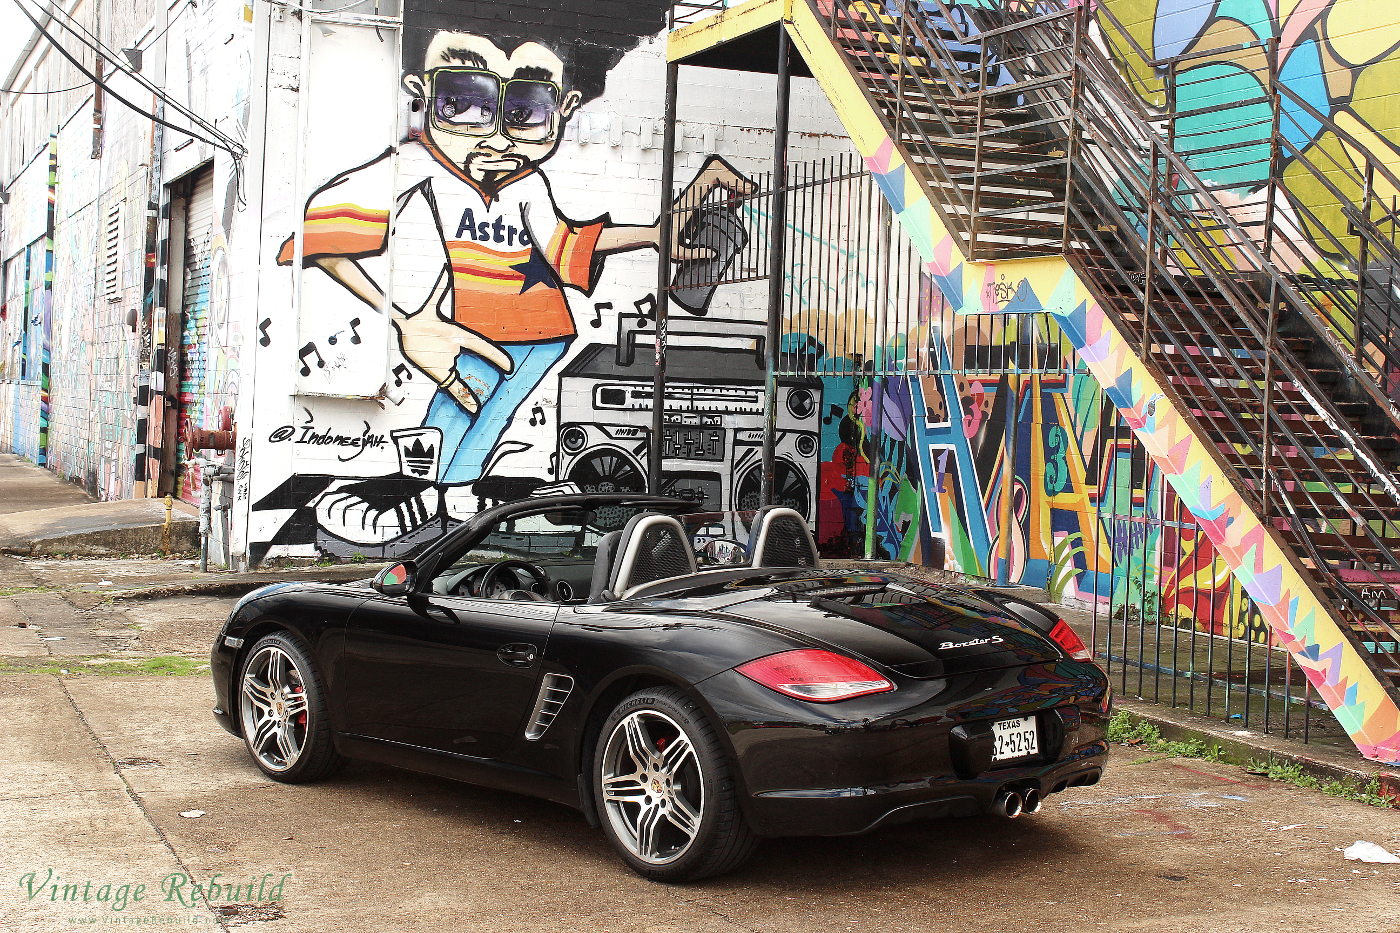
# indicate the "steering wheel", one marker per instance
pixel 490 587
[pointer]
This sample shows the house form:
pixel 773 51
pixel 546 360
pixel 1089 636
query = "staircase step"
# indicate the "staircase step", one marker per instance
pixel 1009 139
pixel 1337 547
pixel 851 38
pixel 1311 429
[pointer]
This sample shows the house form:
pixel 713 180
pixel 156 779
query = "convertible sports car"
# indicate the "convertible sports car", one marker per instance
pixel 570 647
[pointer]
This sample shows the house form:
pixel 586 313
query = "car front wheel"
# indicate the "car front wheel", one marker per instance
pixel 282 711
pixel 664 791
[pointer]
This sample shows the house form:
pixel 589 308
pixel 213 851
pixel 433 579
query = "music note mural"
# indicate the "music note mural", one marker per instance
pixel 310 350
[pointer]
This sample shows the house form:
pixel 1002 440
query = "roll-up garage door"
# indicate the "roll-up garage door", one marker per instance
pixel 196 350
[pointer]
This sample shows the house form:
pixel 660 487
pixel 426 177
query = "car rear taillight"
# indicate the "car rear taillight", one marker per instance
pixel 815 675
pixel 1064 636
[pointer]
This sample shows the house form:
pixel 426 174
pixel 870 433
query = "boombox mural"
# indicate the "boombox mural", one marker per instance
pixel 458 238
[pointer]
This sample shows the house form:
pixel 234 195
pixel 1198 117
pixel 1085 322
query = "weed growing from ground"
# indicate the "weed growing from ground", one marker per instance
pixel 1290 772
pixel 1134 732
pixel 164 665
pixel 1126 729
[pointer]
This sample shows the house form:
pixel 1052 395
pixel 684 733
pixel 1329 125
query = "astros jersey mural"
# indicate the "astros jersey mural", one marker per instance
pixel 458 238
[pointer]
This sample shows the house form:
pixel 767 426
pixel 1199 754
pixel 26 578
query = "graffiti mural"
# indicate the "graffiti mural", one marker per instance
pixel 520 329
pixel 1281 600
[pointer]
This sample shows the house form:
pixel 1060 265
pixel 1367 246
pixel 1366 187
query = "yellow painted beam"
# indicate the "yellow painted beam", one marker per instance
pixel 733 23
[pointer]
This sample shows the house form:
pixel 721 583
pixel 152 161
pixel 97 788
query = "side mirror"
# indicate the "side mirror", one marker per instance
pixel 719 552
pixel 397 580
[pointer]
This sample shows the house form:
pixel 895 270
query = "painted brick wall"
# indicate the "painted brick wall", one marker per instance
pixel 326 475
pixel 105 330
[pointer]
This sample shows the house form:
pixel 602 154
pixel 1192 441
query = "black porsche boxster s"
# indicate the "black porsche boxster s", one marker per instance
pixel 573 648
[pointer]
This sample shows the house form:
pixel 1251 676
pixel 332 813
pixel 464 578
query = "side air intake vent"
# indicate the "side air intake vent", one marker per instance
pixel 553 692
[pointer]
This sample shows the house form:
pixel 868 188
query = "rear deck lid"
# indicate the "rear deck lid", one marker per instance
pixel 916 629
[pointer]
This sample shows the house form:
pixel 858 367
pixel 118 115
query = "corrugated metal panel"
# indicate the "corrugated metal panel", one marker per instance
pixel 194 334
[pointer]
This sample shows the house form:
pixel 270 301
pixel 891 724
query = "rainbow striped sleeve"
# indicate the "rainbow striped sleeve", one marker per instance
pixel 571 253
pixel 340 230
pixel 349 216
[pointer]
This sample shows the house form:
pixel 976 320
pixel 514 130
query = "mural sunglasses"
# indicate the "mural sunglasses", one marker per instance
pixel 472 102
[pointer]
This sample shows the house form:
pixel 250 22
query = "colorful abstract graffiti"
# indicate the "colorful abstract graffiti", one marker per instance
pixel 1297 618
pixel 1210 61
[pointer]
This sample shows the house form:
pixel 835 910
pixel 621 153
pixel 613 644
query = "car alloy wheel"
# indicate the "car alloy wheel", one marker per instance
pixel 651 786
pixel 282 710
pixel 663 789
pixel 275 708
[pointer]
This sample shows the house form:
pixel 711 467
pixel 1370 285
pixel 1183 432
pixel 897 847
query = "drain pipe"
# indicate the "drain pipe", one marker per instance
pixel 212 472
pixel 206 507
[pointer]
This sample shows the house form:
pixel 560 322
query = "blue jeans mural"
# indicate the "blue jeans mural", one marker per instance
pixel 471 438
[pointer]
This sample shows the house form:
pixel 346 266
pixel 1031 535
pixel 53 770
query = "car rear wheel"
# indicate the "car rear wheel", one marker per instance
pixel 282 710
pixel 664 791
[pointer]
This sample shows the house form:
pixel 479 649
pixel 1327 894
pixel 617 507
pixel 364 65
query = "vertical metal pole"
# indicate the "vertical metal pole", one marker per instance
pixel 663 280
pixel 874 431
pixel 1363 260
pixel 1271 336
pixel 1072 120
pixel 973 222
pixel 776 263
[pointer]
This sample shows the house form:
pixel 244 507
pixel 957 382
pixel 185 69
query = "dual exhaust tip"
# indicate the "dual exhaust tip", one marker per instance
pixel 1012 803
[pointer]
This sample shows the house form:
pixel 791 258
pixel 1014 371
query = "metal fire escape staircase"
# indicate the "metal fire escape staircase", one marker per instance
pixel 1010 147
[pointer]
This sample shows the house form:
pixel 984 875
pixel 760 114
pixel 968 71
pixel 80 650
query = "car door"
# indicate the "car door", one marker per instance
pixel 452 674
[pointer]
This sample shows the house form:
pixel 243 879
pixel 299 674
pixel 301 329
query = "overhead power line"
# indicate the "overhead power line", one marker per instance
pixel 57 90
pixel 114 58
pixel 229 145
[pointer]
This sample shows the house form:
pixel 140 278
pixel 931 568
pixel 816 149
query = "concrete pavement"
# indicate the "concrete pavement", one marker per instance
pixel 41 514
pixel 97 770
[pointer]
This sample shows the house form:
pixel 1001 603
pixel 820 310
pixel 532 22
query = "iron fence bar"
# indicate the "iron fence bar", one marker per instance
pixel 663 271
pixel 783 95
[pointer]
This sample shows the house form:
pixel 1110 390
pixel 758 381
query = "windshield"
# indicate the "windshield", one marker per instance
pixel 569 535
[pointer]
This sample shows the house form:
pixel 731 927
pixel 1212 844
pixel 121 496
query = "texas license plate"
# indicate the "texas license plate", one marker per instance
pixel 1014 738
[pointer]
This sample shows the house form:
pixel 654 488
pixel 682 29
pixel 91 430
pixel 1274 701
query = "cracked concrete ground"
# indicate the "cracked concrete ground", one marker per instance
pixel 96 770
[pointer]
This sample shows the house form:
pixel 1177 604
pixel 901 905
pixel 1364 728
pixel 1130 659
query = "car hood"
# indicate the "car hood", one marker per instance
pixel 914 628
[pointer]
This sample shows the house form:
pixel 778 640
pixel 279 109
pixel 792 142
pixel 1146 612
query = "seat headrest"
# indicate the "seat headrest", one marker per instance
pixel 781 538
pixel 653 547
pixel 602 568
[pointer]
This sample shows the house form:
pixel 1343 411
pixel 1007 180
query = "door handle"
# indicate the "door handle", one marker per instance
pixel 519 654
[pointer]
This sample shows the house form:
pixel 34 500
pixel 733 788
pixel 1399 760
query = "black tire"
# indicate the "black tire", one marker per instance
pixel 304 720
pixel 721 840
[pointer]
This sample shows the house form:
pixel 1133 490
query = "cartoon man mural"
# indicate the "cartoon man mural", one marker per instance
pixel 482 253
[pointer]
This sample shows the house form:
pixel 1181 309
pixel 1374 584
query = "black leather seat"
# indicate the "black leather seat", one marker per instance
pixel 602 568
pixel 650 547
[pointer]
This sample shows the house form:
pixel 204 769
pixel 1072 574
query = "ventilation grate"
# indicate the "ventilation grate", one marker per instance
pixel 111 262
pixel 554 691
